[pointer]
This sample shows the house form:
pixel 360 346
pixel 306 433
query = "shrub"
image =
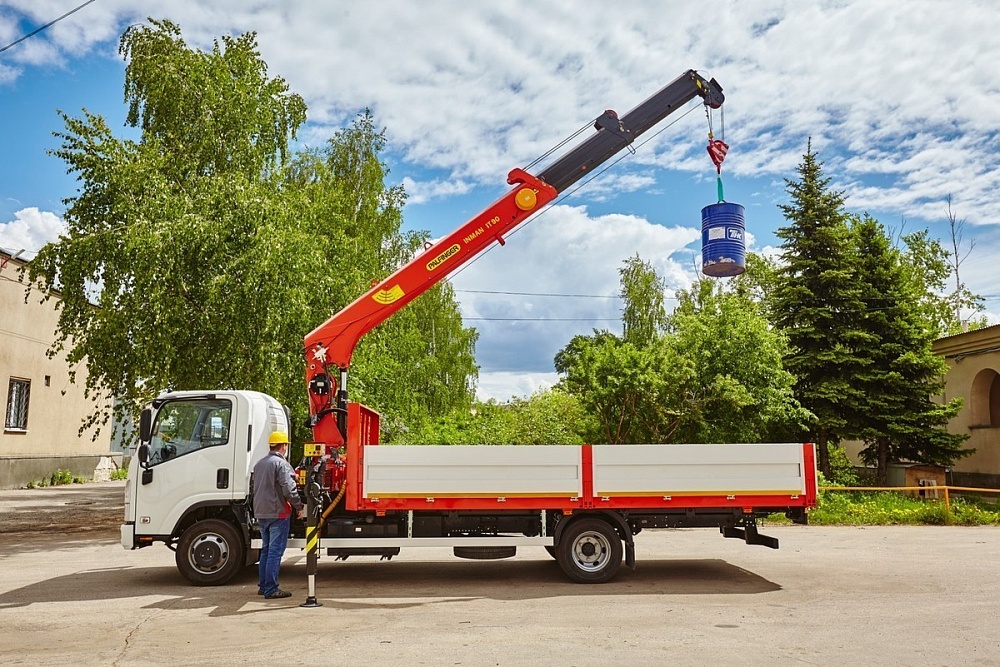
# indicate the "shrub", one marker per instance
pixel 842 471
pixel 61 477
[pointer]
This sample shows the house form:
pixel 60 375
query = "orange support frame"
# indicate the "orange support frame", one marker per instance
pixel 362 429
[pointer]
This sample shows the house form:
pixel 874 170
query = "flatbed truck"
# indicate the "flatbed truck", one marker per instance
pixel 189 485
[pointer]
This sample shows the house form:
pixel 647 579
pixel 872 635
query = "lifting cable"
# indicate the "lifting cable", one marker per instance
pixel 717 148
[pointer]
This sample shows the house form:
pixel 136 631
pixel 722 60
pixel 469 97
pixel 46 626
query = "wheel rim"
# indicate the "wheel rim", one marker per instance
pixel 208 553
pixel 592 551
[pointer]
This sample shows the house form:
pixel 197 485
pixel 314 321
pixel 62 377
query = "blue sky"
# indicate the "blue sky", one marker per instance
pixel 900 101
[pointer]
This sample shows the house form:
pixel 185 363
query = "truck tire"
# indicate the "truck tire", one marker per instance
pixel 210 552
pixel 589 551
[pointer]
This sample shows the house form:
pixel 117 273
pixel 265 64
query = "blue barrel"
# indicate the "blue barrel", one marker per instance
pixel 723 243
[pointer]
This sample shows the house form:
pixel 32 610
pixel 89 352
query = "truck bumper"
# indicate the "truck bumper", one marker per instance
pixel 128 535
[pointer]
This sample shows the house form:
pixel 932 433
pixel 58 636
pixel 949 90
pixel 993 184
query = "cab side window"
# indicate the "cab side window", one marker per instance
pixel 187 426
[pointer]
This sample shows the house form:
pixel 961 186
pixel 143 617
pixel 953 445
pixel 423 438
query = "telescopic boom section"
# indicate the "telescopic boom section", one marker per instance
pixel 328 348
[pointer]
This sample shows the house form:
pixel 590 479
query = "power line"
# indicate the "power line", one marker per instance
pixel 541 319
pixel 50 23
pixel 576 296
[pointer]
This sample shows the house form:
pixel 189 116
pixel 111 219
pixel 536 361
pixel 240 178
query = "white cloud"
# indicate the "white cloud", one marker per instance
pixel 899 98
pixel 421 192
pixel 906 90
pixel 502 386
pixel 574 257
pixel 30 230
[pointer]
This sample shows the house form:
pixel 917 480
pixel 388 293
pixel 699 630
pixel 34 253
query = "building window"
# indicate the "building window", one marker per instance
pixel 18 393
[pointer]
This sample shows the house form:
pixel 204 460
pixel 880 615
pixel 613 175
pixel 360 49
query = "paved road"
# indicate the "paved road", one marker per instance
pixel 830 596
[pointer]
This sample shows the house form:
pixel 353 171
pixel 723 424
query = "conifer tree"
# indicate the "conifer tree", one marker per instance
pixel 816 304
pixel 900 373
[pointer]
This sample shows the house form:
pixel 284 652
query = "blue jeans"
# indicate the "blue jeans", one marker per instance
pixel 274 537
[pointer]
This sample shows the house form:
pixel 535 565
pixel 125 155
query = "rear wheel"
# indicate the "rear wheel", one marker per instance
pixel 210 552
pixel 589 551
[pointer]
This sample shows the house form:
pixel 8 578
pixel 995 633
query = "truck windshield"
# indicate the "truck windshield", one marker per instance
pixel 186 426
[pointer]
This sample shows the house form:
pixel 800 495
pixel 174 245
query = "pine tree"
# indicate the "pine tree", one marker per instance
pixel 816 304
pixel 900 421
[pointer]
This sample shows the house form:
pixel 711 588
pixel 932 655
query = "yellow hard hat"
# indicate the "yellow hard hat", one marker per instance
pixel 278 438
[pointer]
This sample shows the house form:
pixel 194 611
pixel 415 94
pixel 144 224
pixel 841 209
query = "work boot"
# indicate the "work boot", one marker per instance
pixel 278 594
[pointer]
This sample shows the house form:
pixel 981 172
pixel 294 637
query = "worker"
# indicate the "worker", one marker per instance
pixel 274 496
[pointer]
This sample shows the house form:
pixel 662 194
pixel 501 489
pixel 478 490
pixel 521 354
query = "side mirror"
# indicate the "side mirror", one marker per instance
pixel 145 425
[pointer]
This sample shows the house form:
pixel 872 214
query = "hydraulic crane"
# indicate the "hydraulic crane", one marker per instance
pixel 329 347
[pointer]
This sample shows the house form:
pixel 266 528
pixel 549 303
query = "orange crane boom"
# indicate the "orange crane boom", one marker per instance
pixel 329 347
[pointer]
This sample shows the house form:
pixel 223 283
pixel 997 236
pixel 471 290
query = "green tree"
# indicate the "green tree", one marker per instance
pixel 198 256
pixel 636 395
pixel 757 283
pixel 961 298
pixel 901 373
pixel 739 391
pixel 550 417
pixel 421 362
pixel 816 304
pixel 932 266
pixel 713 375
pixel 644 315
pixel 177 243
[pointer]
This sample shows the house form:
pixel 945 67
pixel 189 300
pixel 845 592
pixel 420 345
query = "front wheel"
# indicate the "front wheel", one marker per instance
pixel 589 551
pixel 210 552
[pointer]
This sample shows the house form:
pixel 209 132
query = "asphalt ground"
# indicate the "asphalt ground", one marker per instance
pixel 70 595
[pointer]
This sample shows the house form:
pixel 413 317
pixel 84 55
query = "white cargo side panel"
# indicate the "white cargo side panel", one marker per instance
pixel 472 470
pixel 757 469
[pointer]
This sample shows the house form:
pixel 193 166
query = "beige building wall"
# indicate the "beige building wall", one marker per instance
pixel 974 376
pixel 56 406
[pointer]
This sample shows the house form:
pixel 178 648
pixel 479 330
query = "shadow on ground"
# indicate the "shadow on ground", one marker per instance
pixel 374 585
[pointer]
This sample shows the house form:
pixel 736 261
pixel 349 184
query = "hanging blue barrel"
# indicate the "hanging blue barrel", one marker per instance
pixel 723 246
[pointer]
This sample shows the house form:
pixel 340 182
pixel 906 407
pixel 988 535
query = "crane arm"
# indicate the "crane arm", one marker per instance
pixel 329 347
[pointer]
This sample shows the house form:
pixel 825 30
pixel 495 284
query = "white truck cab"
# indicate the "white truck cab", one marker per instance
pixel 189 482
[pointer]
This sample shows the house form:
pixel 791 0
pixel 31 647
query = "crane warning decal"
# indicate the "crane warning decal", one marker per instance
pixel 387 296
pixel 443 257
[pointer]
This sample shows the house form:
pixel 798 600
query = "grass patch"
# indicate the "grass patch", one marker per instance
pixel 58 478
pixel 887 508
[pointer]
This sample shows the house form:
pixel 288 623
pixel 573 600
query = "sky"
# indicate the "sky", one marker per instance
pixel 900 100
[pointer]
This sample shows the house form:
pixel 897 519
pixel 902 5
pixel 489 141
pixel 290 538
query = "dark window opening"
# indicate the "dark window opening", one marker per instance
pixel 18 394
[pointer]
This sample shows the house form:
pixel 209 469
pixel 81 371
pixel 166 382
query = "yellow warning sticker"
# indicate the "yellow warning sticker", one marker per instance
pixel 387 296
